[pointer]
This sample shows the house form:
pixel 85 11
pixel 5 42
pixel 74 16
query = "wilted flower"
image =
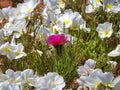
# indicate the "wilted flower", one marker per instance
pixel 105 30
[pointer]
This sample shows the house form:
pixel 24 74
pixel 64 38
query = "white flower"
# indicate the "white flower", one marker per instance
pixel 116 8
pixel 93 5
pixel 89 9
pixel 54 4
pixel 14 77
pixel 10 80
pixel 16 14
pixel 82 71
pixel 19 26
pixel 19 51
pixel 51 81
pixel 4 13
pixel 115 52
pixel 108 5
pixel 39 52
pixel 112 64
pixel 66 19
pixel 12 51
pixel 105 30
pixel 28 76
pixel 90 63
pixel 93 81
pixel 108 80
pixel 10 87
pixel 28 6
pixel 7 49
pixel 57 28
pixel 8 29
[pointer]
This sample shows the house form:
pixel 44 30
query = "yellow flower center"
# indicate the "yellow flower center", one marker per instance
pixel 97 84
pixel 109 85
pixel 55 82
pixel 98 1
pixel 61 3
pixel 106 32
pixel 67 22
pixel 55 30
pixel 13 80
pixel 17 53
pixel 28 9
pixel 17 13
pixel 49 89
pixel 7 49
pixel 27 81
pixel 109 6
pixel 40 36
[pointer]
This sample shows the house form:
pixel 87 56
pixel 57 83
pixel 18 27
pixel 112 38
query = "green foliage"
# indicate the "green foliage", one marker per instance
pixel 88 45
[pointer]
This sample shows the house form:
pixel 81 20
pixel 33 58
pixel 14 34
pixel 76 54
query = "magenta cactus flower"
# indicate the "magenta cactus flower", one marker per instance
pixel 57 39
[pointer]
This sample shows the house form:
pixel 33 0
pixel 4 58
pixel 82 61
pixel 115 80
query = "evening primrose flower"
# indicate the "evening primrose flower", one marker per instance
pixel 87 68
pixel 16 14
pixel 29 5
pixel 67 18
pixel 82 71
pixel 51 81
pixel 90 63
pixel 93 81
pixel 54 4
pixel 115 53
pixel 108 4
pixel 14 77
pixel 19 51
pixel 57 29
pixel 109 81
pixel 93 5
pixel 18 26
pixel 61 3
pixel 28 76
pixel 105 30
pixel 116 8
pixel 7 49
pixel 4 13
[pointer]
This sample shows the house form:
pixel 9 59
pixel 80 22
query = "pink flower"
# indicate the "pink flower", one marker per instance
pixel 57 39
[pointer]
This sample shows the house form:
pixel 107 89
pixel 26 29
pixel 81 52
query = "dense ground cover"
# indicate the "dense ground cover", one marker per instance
pixel 77 39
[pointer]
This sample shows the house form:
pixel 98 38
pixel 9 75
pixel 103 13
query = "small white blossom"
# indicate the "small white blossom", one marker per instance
pixel 105 30
pixel 115 52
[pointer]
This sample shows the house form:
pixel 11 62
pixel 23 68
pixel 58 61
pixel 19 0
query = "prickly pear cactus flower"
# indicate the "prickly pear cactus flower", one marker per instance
pixel 57 39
